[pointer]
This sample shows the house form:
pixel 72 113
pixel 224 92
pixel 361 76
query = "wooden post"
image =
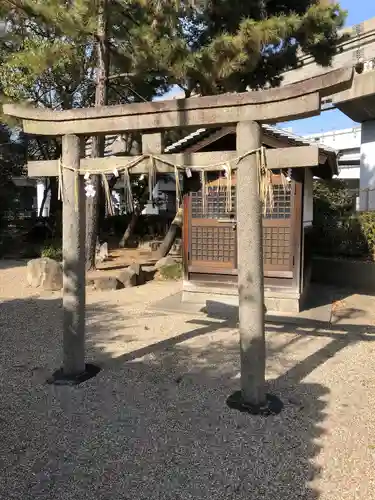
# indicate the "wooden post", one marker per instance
pixel 74 259
pixel 250 267
pixel 152 143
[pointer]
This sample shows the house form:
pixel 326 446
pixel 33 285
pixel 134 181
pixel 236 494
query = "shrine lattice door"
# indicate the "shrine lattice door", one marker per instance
pixel 212 245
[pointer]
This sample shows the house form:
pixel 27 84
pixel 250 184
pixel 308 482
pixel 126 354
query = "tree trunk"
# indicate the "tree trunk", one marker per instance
pixel 98 142
pixel 172 233
pixel 131 226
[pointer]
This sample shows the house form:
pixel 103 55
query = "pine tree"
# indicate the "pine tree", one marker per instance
pixel 232 45
pixel 50 58
pixel 211 46
pixel 98 142
pixel 235 45
pixel 204 46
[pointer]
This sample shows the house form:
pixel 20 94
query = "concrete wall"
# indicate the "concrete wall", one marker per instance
pixel 367 178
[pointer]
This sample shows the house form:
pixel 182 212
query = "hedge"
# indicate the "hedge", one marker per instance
pixel 338 230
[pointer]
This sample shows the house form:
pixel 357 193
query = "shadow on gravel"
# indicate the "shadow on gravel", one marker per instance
pixel 153 424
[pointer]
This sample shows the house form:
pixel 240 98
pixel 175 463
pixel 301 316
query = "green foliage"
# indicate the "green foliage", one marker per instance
pixel 49 56
pixel 172 272
pixel 332 197
pixel 367 223
pixel 229 45
pixel 211 47
pixel 52 251
pixel 338 230
pixel 332 201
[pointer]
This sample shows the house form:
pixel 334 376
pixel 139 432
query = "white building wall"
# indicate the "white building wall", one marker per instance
pixel 308 200
pixel 349 138
pixel 348 143
pixel 356 148
pixel 349 172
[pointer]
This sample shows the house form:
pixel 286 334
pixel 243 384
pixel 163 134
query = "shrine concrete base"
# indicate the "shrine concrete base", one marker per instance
pixel 223 301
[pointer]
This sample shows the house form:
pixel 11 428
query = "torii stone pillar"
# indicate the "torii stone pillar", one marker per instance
pixel 252 397
pixel 74 212
pixel 74 369
pixel 250 267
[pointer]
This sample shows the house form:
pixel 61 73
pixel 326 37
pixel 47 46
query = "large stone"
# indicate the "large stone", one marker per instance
pixel 105 283
pixel 141 275
pixel 128 278
pixel 101 253
pixel 165 262
pixel 45 273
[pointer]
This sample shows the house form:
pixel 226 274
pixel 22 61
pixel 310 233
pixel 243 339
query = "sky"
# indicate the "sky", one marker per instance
pixel 358 11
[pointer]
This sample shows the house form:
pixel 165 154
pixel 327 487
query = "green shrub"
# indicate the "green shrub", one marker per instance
pixel 367 223
pixel 52 251
pixel 340 238
pixel 172 272
pixel 338 230
pixel 333 197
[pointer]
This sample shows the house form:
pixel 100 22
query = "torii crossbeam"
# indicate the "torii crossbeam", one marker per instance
pixel 299 100
pixel 246 110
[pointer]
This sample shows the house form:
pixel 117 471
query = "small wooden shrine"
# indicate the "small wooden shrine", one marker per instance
pixel 210 239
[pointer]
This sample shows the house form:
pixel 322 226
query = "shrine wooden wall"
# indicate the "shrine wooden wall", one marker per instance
pixel 210 235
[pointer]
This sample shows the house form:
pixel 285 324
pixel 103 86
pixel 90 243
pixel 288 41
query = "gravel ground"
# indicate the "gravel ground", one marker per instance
pixel 154 425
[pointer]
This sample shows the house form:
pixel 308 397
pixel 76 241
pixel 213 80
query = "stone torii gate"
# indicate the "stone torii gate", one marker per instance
pixel 246 110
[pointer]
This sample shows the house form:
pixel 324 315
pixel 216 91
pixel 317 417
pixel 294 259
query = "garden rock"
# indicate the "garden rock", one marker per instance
pixel 104 283
pixel 45 273
pixel 165 262
pixel 141 275
pixel 128 278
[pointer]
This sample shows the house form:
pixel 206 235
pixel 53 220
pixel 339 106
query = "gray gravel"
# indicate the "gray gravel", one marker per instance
pixel 154 425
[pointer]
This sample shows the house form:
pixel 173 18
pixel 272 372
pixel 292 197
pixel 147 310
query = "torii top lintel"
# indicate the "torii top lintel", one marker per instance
pixel 298 100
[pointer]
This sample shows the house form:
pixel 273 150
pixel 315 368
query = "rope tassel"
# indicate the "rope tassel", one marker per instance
pixel 151 178
pixel 228 193
pixel 128 195
pixel 108 196
pixel 178 186
pixel 60 192
pixel 204 192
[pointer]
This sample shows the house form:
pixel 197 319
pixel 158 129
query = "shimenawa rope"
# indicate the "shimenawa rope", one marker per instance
pixel 264 177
